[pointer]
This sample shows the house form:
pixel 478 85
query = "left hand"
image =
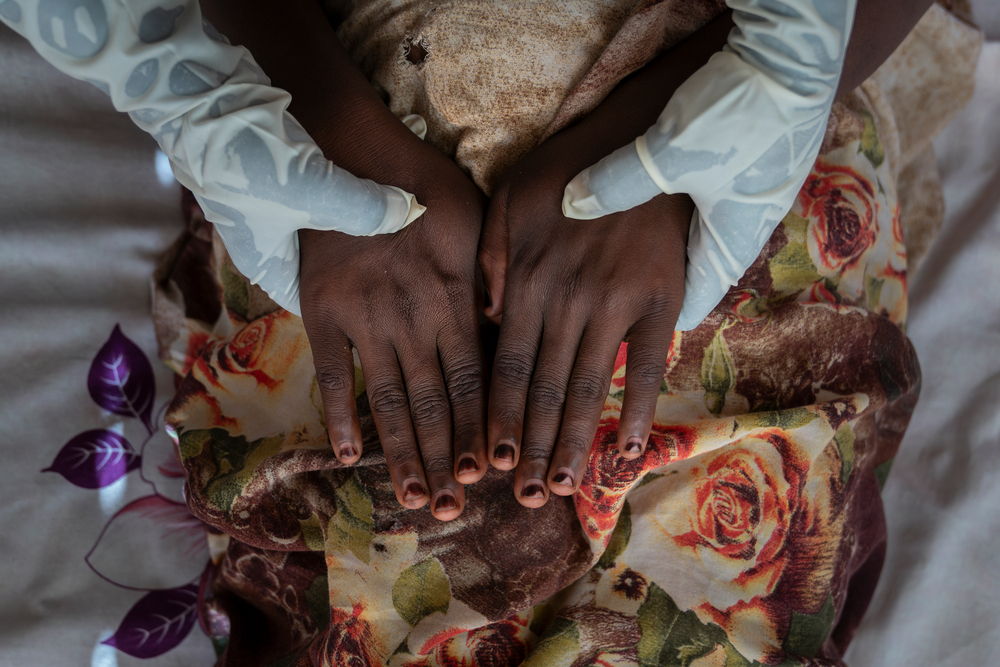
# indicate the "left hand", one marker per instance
pixel 569 292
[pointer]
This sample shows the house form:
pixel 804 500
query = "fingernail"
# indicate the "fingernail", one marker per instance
pixel 533 490
pixel 504 452
pixel 633 446
pixel 467 464
pixel 347 450
pixel 413 491
pixel 563 478
pixel 445 501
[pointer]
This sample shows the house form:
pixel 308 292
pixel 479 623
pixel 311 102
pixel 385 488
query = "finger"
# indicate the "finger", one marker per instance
pixel 462 363
pixel 493 254
pixel 649 342
pixel 546 398
pixel 512 367
pixel 391 412
pixel 585 396
pixel 334 362
pixel 431 416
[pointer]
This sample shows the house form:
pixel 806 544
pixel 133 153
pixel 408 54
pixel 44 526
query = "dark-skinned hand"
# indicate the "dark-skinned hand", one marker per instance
pixel 567 293
pixel 406 303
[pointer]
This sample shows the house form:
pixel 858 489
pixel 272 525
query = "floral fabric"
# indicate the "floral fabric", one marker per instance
pixel 750 532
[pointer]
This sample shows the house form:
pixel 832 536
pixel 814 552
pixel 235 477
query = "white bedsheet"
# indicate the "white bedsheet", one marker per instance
pixel 83 215
pixel 938 601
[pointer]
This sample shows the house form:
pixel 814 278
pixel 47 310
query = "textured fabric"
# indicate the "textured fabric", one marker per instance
pixel 738 136
pixel 751 530
pixel 752 523
pixel 224 128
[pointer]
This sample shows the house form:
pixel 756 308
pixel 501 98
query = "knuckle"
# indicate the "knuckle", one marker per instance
pixel 535 451
pixel 465 381
pixel 333 377
pixel 400 457
pixel 428 407
pixel 514 367
pixel 588 387
pixel 546 396
pixel 437 463
pixel 662 305
pixel 508 417
pixel 647 374
pixel 575 444
pixel 386 399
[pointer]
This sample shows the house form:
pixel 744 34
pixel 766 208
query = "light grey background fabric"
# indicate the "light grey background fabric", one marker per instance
pixel 83 217
pixel 937 602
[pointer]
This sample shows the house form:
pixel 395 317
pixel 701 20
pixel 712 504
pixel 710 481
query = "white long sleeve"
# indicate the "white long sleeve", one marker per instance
pixel 739 136
pixel 227 132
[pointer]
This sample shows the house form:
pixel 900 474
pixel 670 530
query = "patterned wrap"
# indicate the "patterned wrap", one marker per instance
pixel 750 532
pixel 227 132
pixel 739 137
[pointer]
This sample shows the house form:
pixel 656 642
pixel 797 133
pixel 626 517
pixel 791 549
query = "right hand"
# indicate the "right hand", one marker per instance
pixel 406 302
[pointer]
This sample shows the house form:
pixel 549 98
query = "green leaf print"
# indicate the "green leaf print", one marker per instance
pixel 422 589
pixel 619 539
pixel 870 144
pixel 785 419
pixel 235 291
pixel 559 647
pixel 672 637
pixel 807 632
pixel 234 458
pixel 882 473
pixel 717 372
pixel 352 524
pixel 792 269
pixel 844 438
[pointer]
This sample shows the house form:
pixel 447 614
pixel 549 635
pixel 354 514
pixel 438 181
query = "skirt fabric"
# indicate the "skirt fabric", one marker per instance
pixel 750 532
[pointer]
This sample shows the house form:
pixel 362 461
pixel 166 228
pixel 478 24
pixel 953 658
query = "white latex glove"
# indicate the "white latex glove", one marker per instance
pixel 740 137
pixel 230 139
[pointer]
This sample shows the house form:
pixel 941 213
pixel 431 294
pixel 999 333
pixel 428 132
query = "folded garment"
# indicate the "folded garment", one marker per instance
pixel 751 530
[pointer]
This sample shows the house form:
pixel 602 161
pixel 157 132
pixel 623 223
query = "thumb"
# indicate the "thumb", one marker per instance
pixel 493 254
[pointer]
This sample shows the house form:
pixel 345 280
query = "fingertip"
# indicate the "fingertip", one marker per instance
pixel 446 506
pixel 563 482
pixel 413 495
pixel 504 455
pixel 632 447
pixel 533 493
pixel 469 470
pixel 347 450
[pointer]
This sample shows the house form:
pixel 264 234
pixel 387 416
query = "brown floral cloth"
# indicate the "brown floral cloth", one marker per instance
pixel 750 532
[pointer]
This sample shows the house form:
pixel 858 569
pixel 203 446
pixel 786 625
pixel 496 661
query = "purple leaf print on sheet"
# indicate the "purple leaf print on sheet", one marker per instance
pixel 151 543
pixel 158 622
pixel 121 379
pixel 93 459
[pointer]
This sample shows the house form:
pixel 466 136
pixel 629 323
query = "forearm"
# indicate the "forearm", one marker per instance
pixel 879 27
pixel 300 52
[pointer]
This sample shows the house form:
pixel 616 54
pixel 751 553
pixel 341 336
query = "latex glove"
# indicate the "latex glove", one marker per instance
pixel 256 173
pixel 739 137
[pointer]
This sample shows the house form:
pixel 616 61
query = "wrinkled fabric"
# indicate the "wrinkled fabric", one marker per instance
pixel 750 532
pixel 739 137
pixel 226 131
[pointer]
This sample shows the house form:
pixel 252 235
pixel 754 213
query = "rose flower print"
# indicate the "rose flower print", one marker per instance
pixel 735 527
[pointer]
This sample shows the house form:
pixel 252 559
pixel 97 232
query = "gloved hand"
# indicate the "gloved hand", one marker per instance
pixel 256 173
pixel 739 137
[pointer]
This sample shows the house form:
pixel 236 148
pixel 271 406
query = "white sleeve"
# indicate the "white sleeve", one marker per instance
pixel 739 137
pixel 230 139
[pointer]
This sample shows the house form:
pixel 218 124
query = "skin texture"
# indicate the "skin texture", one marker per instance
pixel 567 291
pixel 413 323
